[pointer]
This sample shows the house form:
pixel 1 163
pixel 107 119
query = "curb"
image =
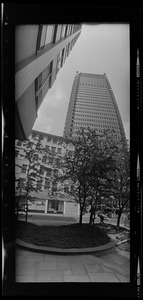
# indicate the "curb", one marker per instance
pixel 100 250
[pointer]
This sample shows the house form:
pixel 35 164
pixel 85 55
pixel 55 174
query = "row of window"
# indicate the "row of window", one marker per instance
pixel 36 156
pixel 49 34
pixel 96 105
pixel 95 120
pixel 77 128
pixel 39 184
pixel 91 109
pixel 43 169
pixel 64 53
pixel 91 93
pixel 92 115
pixel 93 125
pixel 92 83
pixel 93 96
pixel 44 78
pixel 54 140
pixel 88 89
pixel 94 101
pixel 89 84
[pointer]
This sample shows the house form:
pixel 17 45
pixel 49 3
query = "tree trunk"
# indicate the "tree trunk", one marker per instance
pixel 90 219
pixel 118 220
pixel 80 218
pixel 26 210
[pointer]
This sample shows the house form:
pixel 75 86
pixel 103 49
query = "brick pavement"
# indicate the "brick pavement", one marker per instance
pixel 38 267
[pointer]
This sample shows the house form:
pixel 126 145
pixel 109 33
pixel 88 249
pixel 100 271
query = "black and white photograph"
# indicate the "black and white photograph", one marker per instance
pixel 72 154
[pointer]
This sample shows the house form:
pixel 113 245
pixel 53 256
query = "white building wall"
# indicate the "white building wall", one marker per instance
pixel 71 208
pixel 30 72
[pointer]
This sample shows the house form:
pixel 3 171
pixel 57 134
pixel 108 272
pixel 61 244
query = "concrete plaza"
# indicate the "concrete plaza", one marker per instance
pixel 39 267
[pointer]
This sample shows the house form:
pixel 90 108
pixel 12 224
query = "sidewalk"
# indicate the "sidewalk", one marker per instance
pixel 38 267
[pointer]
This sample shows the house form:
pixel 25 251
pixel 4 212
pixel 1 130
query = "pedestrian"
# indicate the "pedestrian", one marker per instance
pixel 101 218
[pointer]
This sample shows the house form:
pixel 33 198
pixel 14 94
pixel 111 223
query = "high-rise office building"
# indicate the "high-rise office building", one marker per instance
pixel 40 52
pixel 92 104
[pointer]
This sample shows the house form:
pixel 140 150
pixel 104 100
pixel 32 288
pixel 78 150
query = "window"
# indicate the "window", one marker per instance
pixel 60 59
pixel 47 148
pixel 59 150
pixel 44 158
pixel 49 34
pixel 50 160
pixel 39 184
pixel 53 149
pixel 66 189
pixel 42 170
pixel 58 33
pixel 49 138
pixel 35 157
pixel 43 29
pixel 67 49
pixel 21 182
pixel 43 80
pixel 24 168
pixel 46 34
pixel 63 31
pixel 19 143
pixel 55 140
pixel 48 172
pixel 16 153
pixel 54 188
pixel 56 172
pixel 47 184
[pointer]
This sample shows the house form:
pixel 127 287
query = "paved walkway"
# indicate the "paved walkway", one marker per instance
pixel 38 267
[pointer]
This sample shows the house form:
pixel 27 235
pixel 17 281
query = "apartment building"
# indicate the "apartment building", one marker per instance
pixel 40 52
pixel 93 104
pixel 44 201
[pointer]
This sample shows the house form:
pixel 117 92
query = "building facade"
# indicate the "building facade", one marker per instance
pixel 40 52
pixel 92 104
pixel 44 201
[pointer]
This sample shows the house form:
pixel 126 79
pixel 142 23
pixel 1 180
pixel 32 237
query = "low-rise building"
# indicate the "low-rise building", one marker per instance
pixel 53 197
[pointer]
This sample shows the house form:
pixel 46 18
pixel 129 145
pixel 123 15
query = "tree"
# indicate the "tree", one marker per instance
pixel 31 152
pixel 87 167
pixel 119 181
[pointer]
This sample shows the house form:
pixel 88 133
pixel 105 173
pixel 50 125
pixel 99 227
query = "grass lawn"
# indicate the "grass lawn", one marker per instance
pixel 65 236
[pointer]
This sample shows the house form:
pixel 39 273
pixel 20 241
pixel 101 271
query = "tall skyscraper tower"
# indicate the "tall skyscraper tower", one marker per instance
pixel 92 104
pixel 40 52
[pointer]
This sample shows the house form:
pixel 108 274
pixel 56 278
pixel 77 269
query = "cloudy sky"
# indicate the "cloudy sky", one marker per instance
pixel 102 48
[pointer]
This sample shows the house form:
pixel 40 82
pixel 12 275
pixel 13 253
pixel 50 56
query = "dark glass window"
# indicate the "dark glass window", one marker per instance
pixel 42 170
pixel 49 138
pixel 47 147
pixel 44 159
pixel 59 150
pixel 50 160
pixel 16 153
pixel 21 182
pixel 35 157
pixel 19 143
pixel 47 184
pixel 24 168
pixel 48 172
pixel 58 33
pixel 39 184
pixel 63 31
pixel 53 149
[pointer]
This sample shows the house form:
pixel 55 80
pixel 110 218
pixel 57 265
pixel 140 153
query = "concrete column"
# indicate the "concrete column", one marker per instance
pixel 78 210
pixel 46 206
pixel 64 208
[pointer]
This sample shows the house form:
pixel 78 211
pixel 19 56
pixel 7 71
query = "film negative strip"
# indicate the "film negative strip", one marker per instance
pixel 138 174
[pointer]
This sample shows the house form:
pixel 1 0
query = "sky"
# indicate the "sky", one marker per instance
pixel 103 48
